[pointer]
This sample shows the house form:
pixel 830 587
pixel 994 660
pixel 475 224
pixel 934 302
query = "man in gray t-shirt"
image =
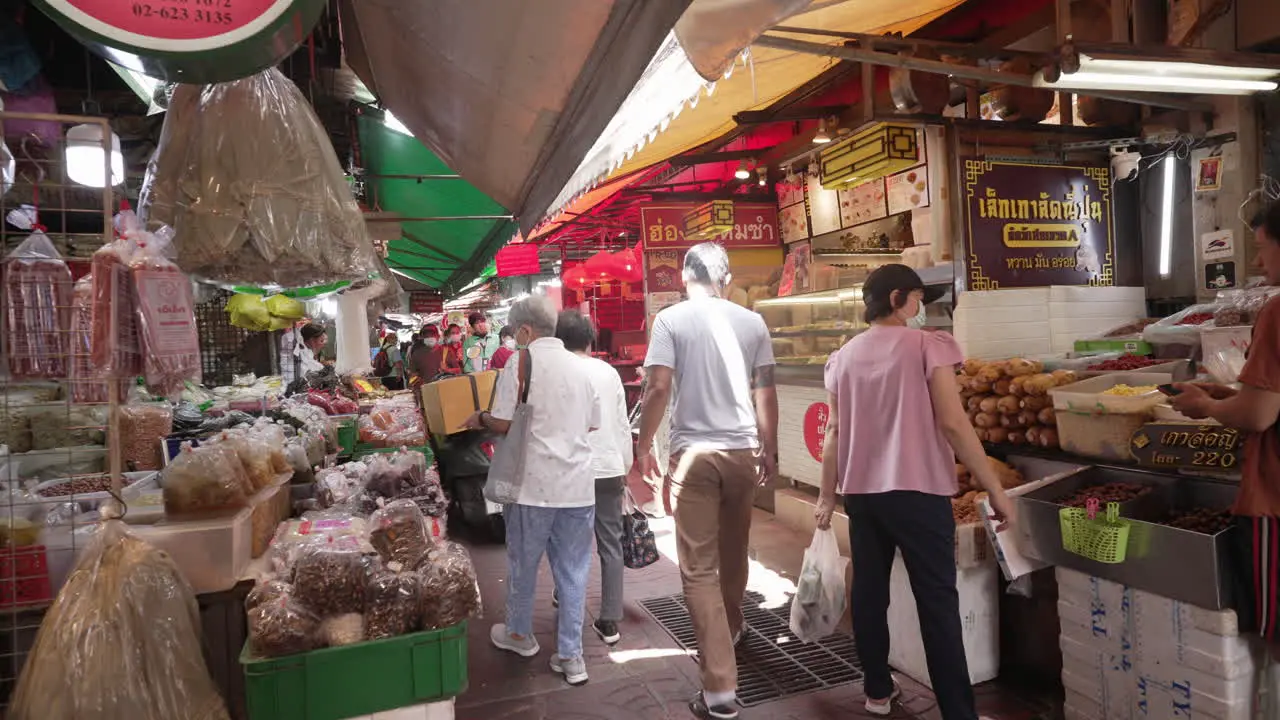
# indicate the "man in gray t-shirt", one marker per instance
pixel 724 441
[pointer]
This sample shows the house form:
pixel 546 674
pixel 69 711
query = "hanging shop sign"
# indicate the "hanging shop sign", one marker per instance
pixel 755 225
pixel 709 220
pixel 875 152
pixel 1189 446
pixel 423 302
pixel 189 41
pixel 517 260
pixel 1037 225
pixel 662 271
pixel 815 428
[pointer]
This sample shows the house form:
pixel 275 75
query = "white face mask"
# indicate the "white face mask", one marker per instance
pixel 430 342
pixel 509 343
pixel 920 319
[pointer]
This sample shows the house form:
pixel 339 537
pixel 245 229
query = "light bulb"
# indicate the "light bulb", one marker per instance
pixel 743 173
pixel 84 156
pixel 764 176
pixel 821 137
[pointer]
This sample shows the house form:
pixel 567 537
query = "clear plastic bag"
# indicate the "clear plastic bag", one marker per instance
pixel 399 533
pixel 819 602
pixel 115 344
pixel 202 480
pixel 265 592
pixel 254 457
pixel 121 640
pixel 86 383
pixel 450 590
pixel 166 317
pixel 271 207
pixel 143 428
pixel 37 288
pixel 282 627
pixel 344 629
pixel 391 606
pixel 330 578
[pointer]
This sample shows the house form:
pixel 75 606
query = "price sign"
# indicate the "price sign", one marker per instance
pixel 1187 445
pixel 815 428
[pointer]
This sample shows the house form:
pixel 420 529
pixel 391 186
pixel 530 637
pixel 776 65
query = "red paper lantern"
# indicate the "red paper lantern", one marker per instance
pixel 600 267
pixel 575 278
pixel 628 266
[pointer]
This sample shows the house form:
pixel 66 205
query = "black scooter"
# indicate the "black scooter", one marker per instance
pixel 463 461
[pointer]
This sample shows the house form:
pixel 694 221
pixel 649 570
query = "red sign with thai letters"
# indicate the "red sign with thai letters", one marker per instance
pixel 815 428
pixel 755 225
pixel 426 303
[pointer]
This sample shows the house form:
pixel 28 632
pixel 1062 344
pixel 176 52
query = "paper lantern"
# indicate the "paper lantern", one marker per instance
pixel 601 266
pixel 628 265
pixel 575 277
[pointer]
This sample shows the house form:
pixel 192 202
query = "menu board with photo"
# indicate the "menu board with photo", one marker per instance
pixel 824 207
pixel 908 190
pixel 790 192
pixel 862 203
pixel 795 223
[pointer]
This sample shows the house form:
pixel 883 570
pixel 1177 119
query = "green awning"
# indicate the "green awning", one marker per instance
pixel 460 227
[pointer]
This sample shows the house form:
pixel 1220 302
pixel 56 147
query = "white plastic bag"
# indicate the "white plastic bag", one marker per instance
pixel 821 594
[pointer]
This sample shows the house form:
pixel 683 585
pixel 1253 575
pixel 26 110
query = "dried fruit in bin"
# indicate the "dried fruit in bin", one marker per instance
pixel 1196 318
pixel 1111 492
pixel 393 603
pixel 1123 390
pixel 282 627
pixel 1200 520
pixel 1128 361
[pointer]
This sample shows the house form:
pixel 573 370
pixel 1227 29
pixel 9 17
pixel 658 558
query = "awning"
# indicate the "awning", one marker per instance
pixel 449 229
pixel 673 109
pixel 509 94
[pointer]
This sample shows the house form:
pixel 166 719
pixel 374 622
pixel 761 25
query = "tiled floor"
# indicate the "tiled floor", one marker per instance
pixel 646 675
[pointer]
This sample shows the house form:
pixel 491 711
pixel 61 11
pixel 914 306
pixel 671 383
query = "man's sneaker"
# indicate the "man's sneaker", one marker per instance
pixel 555 599
pixel 526 646
pixel 574 670
pixel 884 707
pixel 700 709
pixel 608 631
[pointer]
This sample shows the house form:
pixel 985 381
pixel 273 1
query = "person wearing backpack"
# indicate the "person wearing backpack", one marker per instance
pixel 388 364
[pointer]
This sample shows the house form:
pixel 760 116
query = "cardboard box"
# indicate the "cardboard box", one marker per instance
pixel 449 402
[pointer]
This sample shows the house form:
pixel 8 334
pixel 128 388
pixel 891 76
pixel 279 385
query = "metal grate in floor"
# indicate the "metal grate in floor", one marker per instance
pixel 772 663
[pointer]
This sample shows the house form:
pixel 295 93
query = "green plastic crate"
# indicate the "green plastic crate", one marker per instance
pixel 347 434
pixel 363 451
pixel 1130 345
pixel 355 680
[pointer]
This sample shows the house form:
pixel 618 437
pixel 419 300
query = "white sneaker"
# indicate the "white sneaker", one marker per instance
pixel 526 646
pixel 574 670
pixel 884 708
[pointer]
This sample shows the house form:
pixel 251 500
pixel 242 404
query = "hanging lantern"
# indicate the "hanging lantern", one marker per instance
pixel 600 266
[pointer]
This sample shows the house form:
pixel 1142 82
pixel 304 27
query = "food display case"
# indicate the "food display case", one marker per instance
pixel 805 330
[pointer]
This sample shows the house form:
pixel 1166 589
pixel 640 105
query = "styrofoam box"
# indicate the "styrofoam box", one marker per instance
pixel 1084 294
pixel 984 328
pixel 1096 310
pixel 212 554
pixel 1156 611
pixel 1106 599
pixel 1094 702
pixel 1003 349
pixel 1078 707
pixel 1107 678
pixel 1158 700
pixel 979 615
pixel 1085 327
pixel 1083 626
pixel 1038 297
pixel 1001 314
pixel 1160 645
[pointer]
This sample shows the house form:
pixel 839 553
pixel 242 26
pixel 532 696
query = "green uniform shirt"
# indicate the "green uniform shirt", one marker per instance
pixel 477 360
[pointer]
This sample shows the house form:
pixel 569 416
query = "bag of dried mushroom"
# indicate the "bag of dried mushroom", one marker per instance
pixel 247 176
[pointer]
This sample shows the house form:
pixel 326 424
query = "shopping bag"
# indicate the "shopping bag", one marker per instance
pixel 506 469
pixel 820 597
pixel 639 548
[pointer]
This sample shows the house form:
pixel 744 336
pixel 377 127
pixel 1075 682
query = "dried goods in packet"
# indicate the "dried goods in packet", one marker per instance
pixel 399 533
pixel 143 427
pixel 282 627
pixel 37 299
pixel 450 590
pixel 330 579
pixel 166 317
pixel 203 480
pixel 115 345
pixel 391 605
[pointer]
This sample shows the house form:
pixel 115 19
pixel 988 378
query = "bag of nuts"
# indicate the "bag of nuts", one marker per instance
pixel 399 533
pixel 391 604
pixel 282 627
pixel 142 428
pixel 450 590
pixel 331 578
pixel 202 480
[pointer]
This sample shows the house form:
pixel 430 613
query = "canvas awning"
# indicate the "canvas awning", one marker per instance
pixel 508 94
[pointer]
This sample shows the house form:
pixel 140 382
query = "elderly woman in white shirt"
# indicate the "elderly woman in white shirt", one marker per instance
pixel 611 456
pixel 555 511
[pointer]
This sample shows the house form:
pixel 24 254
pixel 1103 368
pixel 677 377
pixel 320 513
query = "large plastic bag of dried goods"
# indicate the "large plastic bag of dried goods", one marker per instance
pixel 37 297
pixel 450 591
pixel 248 176
pixel 115 344
pixel 820 593
pixel 399 533
pixel 391 604
pixel 330 578
pixel 166 317
pixel 143 428
pixel 122 640
pixel 86 383
pixel 254 457
pixel 202 480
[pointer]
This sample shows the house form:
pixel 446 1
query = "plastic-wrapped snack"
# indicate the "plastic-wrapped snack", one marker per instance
pixel 201 480
pixel 344 629
pixel 272 436
pixel 143 427
pixel 282 627
pixel 115 342
pixel 271 207
pixel 296 455
pixel 330 579
pixel 254 457
pixel 399 534
pixel 166 317
pixel 429 498
pixel 87 386
pixel 37 287
pixel 450 590
pixel 412 464
pixel 391 605
pixel 385 479
pixel 265 592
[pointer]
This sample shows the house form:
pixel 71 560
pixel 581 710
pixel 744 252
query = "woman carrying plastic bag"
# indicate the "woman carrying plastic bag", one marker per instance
pixel 820 594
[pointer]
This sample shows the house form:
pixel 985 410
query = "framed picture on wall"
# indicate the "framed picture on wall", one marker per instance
pixel 1209 174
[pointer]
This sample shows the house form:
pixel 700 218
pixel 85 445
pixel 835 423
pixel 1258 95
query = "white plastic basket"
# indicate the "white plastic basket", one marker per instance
pixel 1087 396
pixel 1224 351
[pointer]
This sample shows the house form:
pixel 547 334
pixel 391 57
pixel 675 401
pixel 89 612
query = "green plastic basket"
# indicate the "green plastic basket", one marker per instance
pixel 347 434
pixel 1101 539
pixel 363 451
pixel 356 680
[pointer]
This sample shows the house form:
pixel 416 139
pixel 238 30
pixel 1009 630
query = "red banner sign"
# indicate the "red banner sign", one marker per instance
pixel 815 428
pixel 517 260
pixel 426 303
pixel 755 225
pixel 169 19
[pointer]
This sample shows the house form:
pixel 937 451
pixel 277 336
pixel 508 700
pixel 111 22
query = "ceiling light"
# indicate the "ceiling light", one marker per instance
pixel 763 172
pixel 1172 75
pixel 86 161
pixel 821 137
pixel 743 173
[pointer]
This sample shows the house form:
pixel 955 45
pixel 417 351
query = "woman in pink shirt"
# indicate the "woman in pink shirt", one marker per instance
pixel 894 431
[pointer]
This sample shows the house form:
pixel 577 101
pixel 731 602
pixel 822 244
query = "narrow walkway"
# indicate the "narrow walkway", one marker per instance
pixel 647 676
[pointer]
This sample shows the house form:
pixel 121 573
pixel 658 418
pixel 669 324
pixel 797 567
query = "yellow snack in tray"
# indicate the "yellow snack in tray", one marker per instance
pixel 1130 391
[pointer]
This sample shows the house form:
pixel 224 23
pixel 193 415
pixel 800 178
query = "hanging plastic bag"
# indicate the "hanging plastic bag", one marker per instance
pixel 37 287
pixel 271 207
pixel 122 640
pixel 166 317
pixel 820 593
pixel 248 312
pixel 86 385
pixel 114 347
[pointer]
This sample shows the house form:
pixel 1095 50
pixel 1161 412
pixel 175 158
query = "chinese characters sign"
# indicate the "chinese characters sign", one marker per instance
pixel 815 428
pixel 662 272
pixel 755 225
pixel 1036 225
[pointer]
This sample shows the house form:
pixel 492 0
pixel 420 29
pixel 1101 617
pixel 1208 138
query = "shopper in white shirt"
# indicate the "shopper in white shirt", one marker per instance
pixel 556 508
pixel 611 456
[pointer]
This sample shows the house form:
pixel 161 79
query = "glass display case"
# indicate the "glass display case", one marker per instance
pixel 806 328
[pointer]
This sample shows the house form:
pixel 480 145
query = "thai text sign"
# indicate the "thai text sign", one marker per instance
pixel 755 225
pixel 1187 445
pixel 1036 225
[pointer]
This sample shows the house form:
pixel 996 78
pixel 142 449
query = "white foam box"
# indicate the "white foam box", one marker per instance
pixel 980 623
pixel 1158 700
pixel 1093 701
pixel 1004 349
pixel 1085 294
pixel 1173 638
pixel 1105 676
pixel 1103 607
pixel 985 329
pixel 1038 297
pixel 1083 327
pixel 1095 310
pixel 997 314
pixel 1080 624
pixel 1079 707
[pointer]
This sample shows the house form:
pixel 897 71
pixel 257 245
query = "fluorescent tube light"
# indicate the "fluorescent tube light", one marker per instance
pixel 1166 217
